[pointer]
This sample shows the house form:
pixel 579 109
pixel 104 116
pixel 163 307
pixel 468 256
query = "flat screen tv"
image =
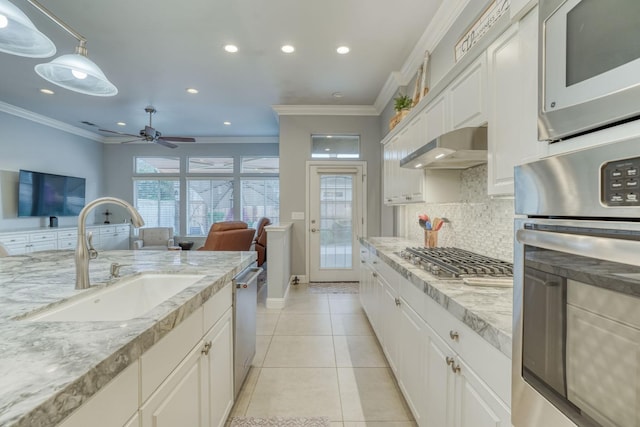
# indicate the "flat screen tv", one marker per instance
pixel 45 194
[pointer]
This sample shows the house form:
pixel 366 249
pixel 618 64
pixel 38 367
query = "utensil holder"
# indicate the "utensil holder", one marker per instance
pixel 430 238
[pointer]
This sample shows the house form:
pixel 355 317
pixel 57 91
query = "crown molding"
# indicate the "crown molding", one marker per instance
pixel 208 140
pixel 325 110
pixel 47 121
pixel 442 21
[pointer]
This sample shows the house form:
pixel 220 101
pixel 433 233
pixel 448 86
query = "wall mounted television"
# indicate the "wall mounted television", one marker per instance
pixel 45 194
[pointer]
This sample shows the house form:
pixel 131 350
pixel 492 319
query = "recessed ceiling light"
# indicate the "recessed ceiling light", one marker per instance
pixel 3 21
pixel 342 50
pixel 227 123
pixel 287 48
pixel 121 124
pixel 231 48
pixel 329 136
pixel 327 149
pixel 192 90
pixel 337 94
pixel 47 91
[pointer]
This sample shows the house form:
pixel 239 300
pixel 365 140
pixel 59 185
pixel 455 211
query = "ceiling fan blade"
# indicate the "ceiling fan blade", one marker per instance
pixel 161 141
pixel 118 133
pixel 178 139
pixel 132 140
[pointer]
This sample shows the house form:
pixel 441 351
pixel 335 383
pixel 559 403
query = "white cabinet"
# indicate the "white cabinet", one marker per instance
pixel 186 378
pixel 448 374
pixel 512 112
pixel 114 237
pixel 467 96
pixel 23 243
pixel 436 116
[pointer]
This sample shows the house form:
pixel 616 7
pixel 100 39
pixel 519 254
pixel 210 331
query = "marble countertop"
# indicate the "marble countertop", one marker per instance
pixel 48 369
pixel 486 310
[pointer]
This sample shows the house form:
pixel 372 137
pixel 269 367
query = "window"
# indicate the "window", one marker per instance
pixel 208 201
pixel 255 165
pixel 335 146
pixel 158 201
pixel 260 197
pixel 157 165
pixel 210 165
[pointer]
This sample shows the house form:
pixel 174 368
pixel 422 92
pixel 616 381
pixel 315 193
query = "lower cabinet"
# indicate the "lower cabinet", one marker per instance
pixel 199 392
pixel 174 383
pixel 440 377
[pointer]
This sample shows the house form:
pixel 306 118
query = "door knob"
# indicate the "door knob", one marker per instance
pixel 313 230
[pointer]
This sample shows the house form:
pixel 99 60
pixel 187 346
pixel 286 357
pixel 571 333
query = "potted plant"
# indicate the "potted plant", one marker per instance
pixel 402 105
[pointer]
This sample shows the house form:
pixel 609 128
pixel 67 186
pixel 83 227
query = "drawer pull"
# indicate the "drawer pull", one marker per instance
pixel 374 274
pixel 449 360
pixel 207 347
pixel 454 335
pixel 398 302
pixel 455 368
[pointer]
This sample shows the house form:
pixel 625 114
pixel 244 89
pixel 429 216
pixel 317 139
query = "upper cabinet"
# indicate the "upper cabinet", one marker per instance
pixel 512 103
pixel 467 96
pixel 461 104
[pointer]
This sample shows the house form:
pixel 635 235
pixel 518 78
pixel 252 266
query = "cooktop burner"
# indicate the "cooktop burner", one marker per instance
pixel 457 263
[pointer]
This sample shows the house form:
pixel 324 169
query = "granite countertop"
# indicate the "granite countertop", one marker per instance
pixel 48 369
pixel 486 310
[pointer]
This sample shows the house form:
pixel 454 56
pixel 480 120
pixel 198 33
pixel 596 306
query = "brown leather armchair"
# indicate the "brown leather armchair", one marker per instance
pixel 261 239
pixel 229 236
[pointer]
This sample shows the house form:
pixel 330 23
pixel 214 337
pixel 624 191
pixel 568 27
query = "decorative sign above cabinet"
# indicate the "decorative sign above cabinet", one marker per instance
pixel 481 26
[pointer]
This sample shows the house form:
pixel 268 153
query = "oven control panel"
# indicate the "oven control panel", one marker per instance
pixel 621 183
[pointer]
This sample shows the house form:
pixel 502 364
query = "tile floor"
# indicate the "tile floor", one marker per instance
pixel 319 357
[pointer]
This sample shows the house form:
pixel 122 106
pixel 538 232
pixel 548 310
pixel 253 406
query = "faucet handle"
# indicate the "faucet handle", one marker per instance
pixel 115 270
pixel 93 254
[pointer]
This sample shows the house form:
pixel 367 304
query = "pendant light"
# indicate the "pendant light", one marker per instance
pixel 74 71
pixel 18 35
pixel 78 73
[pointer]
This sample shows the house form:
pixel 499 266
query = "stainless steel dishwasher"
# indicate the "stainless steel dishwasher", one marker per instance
pixel 244 320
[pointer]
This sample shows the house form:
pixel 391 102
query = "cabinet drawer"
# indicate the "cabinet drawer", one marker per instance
pixel 68 234
pixel 120 229
pixel 67 244
pixel 108 230
pixel 12 239
pixel 116 403
pixel 216 306
pixel 45 245
pixel 158 362
pixel 45 236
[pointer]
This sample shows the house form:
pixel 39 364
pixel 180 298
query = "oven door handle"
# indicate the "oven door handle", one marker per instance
pixel 601 248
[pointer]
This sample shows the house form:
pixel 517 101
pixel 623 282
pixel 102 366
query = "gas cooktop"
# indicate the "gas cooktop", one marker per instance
pixel 454 263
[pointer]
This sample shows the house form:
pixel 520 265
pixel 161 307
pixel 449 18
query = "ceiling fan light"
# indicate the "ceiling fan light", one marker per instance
pixel 19 36
pixel 78 73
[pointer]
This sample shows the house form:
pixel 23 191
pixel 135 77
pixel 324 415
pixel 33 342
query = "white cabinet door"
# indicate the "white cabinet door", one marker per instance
pixel 467 96
pixel 412 364
pixel 219 367
pixel 180 400
pixel 439 383
pixel 389 318
pixel 436 118
pixel 512 112
pixel 476 404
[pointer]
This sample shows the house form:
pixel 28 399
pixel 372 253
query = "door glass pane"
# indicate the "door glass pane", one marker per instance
pixel 336 196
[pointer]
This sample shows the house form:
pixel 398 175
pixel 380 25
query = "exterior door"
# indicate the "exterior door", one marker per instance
pixel 336 221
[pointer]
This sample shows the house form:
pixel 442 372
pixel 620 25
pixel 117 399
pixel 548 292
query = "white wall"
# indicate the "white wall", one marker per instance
pixel 295 150
pixel 25 144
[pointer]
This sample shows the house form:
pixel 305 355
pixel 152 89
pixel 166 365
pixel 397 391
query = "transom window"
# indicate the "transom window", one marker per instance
pixel 210 165
pixel 260 165
pixel 157 165
pixel 335 146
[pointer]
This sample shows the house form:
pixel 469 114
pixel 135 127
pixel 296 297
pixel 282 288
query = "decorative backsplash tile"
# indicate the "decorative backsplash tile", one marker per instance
pixel 478 223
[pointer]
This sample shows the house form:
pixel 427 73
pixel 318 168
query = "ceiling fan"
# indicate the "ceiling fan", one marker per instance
pixel 151 135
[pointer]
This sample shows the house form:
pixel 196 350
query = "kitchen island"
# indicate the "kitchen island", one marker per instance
pixel 49 369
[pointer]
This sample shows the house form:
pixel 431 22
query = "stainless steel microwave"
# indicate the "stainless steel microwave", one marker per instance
pixel 589 65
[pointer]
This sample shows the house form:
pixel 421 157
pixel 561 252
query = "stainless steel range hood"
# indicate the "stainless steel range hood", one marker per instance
pixel 458 149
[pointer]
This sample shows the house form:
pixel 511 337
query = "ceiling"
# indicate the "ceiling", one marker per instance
pixel 153 51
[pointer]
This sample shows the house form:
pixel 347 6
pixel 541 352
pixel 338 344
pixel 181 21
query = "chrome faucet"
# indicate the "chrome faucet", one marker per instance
pixel 83 252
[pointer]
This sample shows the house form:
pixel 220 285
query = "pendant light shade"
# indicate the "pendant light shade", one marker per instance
pixel 18 35
pixel 78 73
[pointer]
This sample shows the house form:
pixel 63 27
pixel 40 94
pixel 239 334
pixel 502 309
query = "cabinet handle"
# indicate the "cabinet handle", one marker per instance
pixel 454 335
pixel 455 368
pixel 398 302
pixel 207 347
pixel 449 360
pixel 374 274
pixel 362 261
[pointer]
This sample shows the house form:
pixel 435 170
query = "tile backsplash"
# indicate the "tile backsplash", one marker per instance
pixel 477 223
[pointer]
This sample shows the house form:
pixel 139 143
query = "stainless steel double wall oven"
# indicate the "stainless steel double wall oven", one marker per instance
pixel 576 356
